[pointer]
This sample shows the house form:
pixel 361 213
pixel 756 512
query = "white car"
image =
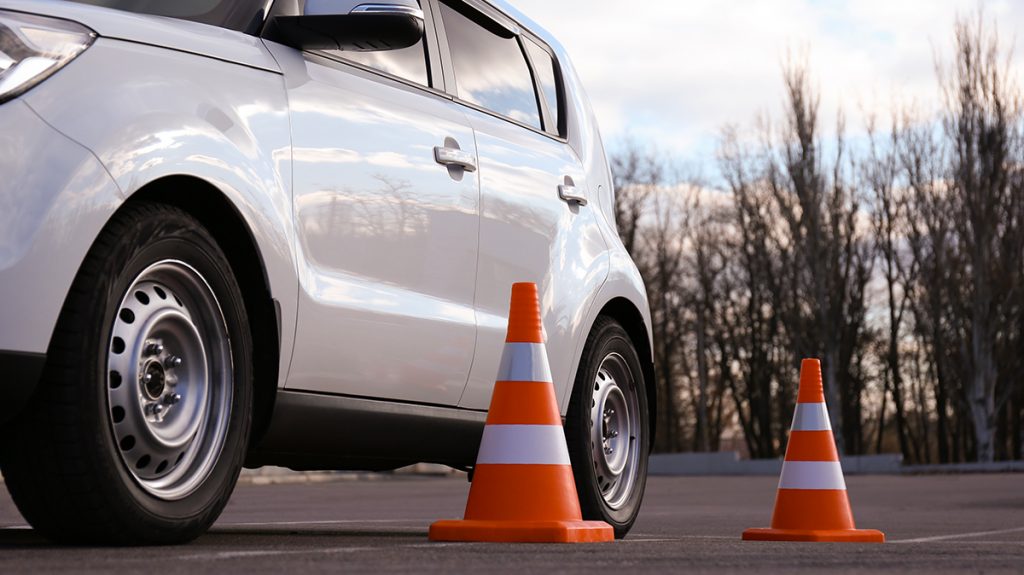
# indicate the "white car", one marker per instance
pixel 254 232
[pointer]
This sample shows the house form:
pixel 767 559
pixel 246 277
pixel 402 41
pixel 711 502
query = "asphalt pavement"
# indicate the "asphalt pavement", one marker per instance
pixel 934 524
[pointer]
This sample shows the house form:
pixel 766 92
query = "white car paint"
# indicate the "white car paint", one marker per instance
pixel 528 234
pixel 413 309
pixel 148 112
pixel 387 239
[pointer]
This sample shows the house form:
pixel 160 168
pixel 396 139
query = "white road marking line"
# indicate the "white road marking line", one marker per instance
pixel 241 554
pixel 325 522
pixel 983 542
pixel 676 539
pixel 269 552
pixel 959 536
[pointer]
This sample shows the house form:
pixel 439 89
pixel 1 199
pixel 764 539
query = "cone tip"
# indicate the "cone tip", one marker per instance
pixel 810 363
pixel 524 324
pixel 811 389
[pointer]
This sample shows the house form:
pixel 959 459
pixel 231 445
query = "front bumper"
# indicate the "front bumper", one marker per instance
pixel 55 196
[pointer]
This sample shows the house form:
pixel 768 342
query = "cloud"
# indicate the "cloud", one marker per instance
pixel 674 72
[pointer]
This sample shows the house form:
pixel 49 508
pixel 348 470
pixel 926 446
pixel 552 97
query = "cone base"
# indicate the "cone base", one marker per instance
pixel 833 535
pixel 522 531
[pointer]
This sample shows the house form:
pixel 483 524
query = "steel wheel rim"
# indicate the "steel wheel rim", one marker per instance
pixel 169 379
pixel 615 431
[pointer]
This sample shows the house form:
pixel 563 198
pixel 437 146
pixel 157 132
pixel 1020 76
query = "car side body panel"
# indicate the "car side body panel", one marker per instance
pixel 48 219
pixel 386 236
pixel 180 35
pixel 157 97
pixel 528 233
pixel 183 114
pixel 618 275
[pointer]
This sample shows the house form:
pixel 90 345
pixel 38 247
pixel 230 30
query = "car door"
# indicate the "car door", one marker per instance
pixel 387 237
pixel 528 232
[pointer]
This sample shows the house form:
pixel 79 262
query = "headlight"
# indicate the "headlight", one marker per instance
pixel 33 47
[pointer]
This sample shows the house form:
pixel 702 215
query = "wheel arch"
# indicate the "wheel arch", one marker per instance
pixel 626 313
pixel 216 212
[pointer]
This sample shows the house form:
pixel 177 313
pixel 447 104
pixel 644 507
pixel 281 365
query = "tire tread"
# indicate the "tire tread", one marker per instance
pixel 577 430
pixel 51 477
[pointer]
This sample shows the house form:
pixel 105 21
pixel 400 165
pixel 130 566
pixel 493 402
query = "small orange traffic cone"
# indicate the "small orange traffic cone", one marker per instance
pixel 811 504
pixel 523 488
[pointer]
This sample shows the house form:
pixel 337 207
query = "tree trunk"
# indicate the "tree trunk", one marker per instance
pixel 832 396
pixel 702 431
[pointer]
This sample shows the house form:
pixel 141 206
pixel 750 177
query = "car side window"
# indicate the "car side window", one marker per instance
pixel 490 67
pixel 544 68
pixel 406 63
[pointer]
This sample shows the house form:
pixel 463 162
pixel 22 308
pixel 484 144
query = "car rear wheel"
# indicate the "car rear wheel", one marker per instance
pixel 607 428
pixel 138 428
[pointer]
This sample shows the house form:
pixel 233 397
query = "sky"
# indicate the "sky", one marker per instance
pixel 672 73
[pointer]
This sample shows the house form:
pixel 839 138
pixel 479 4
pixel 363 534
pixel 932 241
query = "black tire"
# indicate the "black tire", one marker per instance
pixel 65 471
pixel 601 495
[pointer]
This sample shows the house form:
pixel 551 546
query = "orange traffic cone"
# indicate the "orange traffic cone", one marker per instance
pixel 523 488
pixel 812 504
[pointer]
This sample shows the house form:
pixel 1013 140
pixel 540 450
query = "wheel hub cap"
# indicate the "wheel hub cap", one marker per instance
pixel 170 425
pixel 615 430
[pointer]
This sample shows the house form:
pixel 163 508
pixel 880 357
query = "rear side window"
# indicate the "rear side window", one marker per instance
pixel 544 67
pixel 490 68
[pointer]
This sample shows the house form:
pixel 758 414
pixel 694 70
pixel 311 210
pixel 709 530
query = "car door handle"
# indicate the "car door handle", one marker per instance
pixel 568 193
pixel 448 156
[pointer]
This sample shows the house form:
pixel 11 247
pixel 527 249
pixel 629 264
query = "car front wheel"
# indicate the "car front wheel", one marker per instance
pixel 138 428
pixel 607 428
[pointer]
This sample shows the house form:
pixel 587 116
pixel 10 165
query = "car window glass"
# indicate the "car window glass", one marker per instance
pixel 490 70
pixel 407 63
pixel 242 15
pixel 544 67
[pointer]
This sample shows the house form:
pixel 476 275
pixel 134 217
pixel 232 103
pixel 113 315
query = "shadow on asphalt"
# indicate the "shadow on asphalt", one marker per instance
pixel 307 532
pixel 23 539
pixel 20 538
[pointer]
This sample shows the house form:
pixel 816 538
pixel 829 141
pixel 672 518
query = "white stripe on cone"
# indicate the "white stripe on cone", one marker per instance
pixel 524 362
pixel 523 444
pixel 812 475
pixel 811 417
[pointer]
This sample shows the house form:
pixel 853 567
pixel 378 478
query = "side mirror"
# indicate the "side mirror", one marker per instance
pixel 353 25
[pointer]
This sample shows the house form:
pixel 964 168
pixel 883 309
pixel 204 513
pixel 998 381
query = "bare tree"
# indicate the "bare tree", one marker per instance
pixel 982 124
pixel 636 173
pixel 708 257
pixel 653 225
pixel 775 266
pixel 664 241
pixel 819 206
pixel 881 173
pixel 930 236
pixel 750 331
